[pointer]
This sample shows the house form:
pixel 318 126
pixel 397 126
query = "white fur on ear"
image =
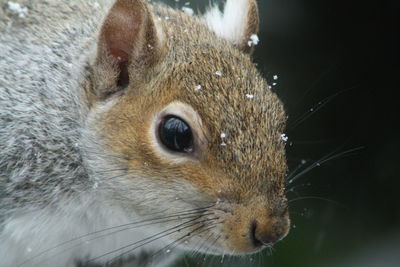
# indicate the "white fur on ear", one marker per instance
pixel 231 24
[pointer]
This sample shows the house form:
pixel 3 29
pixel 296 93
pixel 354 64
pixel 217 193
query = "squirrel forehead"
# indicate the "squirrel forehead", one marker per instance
pixel 201 67
pixel 221 83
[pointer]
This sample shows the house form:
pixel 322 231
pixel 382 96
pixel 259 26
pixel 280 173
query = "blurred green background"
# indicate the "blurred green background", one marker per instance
pixel 346 211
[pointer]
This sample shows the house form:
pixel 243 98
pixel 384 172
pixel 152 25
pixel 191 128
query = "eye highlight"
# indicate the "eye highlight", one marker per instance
pixel 176 135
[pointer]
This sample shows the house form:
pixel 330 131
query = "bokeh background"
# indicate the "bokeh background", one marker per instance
pixel 345 55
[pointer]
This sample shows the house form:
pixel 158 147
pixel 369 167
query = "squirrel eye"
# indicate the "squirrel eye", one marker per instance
pixel 176 134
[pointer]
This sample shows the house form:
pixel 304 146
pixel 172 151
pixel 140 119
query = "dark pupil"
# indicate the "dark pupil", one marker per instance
pixel 176 135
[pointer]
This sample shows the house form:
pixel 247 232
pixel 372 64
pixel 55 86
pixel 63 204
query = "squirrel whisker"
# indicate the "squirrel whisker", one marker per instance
pixel 152 238
pixel 318 198
pixel 330 156
pixel 200 245
pixel 197 231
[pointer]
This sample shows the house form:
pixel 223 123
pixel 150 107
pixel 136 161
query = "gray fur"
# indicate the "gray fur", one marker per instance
pixel 41 109
pixel 41 113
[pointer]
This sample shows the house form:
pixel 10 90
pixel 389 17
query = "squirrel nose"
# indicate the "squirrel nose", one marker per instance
pixel 262 235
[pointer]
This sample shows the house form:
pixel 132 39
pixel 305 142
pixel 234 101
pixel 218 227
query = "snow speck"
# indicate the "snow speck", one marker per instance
pixel 187 3
pixel 273 84
pixel 95 185
pixel 284 137
pixel 188 10
pixel 96 5
pixel 254 40
pixel 17 8
pixel 218 73
pixel 223 136
pixel 249 96
pixel 177 198
pixel 168 251
pixel 303 161
pixel 29 250
pixel 275 77
pixel 198 87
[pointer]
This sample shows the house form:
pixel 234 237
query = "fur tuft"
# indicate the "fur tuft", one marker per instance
pixel 231 23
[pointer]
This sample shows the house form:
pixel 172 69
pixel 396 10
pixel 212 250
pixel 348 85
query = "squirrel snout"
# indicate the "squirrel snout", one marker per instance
pixel 254 226
pixel 263 235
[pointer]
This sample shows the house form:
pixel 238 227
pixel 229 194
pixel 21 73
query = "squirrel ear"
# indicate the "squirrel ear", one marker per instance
pixel 238 23
pixel 130 43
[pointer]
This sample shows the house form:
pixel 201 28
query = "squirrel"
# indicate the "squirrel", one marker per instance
pixel 132 132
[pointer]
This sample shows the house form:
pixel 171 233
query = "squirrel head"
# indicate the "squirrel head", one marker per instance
pixel 184 121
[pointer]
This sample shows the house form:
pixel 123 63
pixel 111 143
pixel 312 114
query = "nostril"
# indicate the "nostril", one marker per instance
pixel 260 237
pixel 254 240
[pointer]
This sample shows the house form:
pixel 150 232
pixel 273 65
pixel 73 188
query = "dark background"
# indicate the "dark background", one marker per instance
pixel 344 53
